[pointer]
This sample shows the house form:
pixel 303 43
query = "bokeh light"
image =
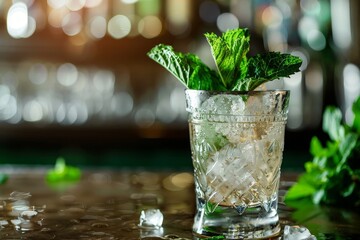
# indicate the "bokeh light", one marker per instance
pixel 72 23
pixel 119 26
pixel 92 3
pixel 17 20
pixel 38 73
pixel 316 40
pixel 97 27
pixel 272 16
pixel 209 11
pixel 33 111
pixel 150 26
pixel 67 74
pixel 75 5
pixel 226 21
pixel 56 16
pixel 56 3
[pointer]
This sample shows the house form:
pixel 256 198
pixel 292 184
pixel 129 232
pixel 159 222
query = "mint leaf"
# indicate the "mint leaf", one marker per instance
pixel 332 123
pixel 235 71
pixel 299 190
pixel 229 52
pixel 63 173
pixel 187 68
pixel 267 67
pixel 356 111
pixel 3 178
pixel 334 172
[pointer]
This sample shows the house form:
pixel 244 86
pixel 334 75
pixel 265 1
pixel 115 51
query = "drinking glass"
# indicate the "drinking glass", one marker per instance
pixel 237 141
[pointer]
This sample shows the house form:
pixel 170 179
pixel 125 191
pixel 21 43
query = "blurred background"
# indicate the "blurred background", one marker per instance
pixel 75 80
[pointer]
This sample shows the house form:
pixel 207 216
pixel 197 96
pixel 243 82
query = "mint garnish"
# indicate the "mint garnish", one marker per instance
pixel 333 175
pixel 236 71
pixel 3 178
pixel 63 173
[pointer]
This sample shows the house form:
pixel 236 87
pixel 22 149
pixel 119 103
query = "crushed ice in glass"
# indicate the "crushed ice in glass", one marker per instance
pixel 151 218
pixel 223 104
pixel 297 233
pixel 235 105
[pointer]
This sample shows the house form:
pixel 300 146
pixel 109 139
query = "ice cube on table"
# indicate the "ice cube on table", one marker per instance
pixel 19 195
pixel 27 215
pixel 3 223
pixel 297 233
pixel 151 218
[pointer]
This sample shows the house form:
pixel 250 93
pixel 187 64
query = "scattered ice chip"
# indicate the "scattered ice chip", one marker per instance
pixel 151 218
pixel 15 221
pixel 19 195
pixel 297 233
pixel 3 222
pixel 27 215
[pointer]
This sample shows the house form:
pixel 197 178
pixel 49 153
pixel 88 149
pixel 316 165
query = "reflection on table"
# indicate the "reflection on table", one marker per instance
pixel 107 204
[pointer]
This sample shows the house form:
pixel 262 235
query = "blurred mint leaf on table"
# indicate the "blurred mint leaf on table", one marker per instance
pixel 333 175
pixel 3 178
pixel 235 70
pixel 62 173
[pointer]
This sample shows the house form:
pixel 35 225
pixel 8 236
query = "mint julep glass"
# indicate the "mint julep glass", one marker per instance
pixel 237 142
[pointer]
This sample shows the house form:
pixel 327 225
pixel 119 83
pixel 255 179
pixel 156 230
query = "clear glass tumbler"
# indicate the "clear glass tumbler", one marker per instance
pixel 237 141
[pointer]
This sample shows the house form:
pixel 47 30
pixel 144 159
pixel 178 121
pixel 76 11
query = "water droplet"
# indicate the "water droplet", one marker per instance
pixel 99 225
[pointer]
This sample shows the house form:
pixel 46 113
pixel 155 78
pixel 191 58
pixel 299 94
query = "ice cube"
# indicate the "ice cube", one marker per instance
pixel 223 104
pixel 297 233
pixel 26 216
pixel 261 104
pixel 151 218
pixel 229 174
pixel 3 223
pixel 19 195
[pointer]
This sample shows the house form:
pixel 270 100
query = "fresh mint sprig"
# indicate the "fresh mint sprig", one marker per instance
pixel 63 173
pixel 333 175
pixel 235 70
pixel 3 178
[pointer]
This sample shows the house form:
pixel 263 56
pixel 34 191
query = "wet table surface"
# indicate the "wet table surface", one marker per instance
pixel 107 204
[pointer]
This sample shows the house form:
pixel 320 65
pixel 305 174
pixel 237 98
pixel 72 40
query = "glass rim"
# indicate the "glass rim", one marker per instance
pixel 252 92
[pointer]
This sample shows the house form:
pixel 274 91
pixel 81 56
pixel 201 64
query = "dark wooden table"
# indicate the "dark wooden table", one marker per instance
pixel 106 204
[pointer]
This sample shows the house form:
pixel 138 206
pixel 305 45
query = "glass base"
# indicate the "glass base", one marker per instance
pixel 253 223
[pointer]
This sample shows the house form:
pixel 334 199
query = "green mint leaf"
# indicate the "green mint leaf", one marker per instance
pixel 267 67
pixel 235 71
pixel 320 152
pixel 318 196
pixel 299 190
pixel 347 145
pixel 346 192
pixel 316 148
pixel 332 123
pixel 3 178
pixel 63 173
pixel 334 171
pixel 187 68
pixel 356 111
pixel 229 52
